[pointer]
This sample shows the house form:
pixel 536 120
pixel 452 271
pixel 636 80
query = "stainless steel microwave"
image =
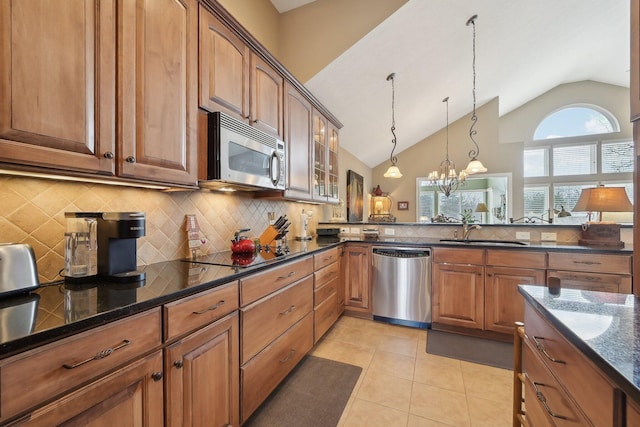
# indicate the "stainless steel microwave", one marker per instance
pixel 242 157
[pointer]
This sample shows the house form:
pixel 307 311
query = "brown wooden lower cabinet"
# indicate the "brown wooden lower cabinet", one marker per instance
pixel 356 268
pixel 202 384
pixel 264 372
pixel 562 387
pixel 129 397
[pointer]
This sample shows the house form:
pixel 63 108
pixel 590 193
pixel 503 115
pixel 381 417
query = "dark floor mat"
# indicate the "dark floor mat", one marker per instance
pixel 314 394
pixel 470 349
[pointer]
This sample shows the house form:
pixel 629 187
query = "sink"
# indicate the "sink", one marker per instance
pixel 485 241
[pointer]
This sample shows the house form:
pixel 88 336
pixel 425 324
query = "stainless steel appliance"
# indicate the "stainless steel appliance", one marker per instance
pixel 18 270
pixel 402 286
pixel 241 156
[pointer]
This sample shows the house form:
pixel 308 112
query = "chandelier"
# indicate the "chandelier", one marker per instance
pixel 446 178
pixel 393 171
pixel 475 165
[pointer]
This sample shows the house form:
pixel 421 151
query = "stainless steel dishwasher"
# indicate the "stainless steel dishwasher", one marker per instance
pixel 402 286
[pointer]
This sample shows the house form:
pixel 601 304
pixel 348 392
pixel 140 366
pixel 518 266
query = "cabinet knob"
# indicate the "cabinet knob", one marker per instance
pixel 131 159
pixel 108 155
pixel 178 364
pixel 156 376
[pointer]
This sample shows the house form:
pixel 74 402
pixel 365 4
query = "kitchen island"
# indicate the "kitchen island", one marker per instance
pixel 581 357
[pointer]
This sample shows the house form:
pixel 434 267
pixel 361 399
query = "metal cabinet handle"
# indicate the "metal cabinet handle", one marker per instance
pixel 287 311
pixel 99 355
pixel 541 348
pixel 131 159
pixel 587 262
pixel 289 356
pixel 329 258
pixel 108 155
pixel 178 364
pixel 543 400
pixel 213 307
pixel 156 376
pixel 291 273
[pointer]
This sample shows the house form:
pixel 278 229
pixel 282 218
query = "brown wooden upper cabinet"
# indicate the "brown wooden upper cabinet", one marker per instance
pixel 224 68
pixel 325 159
pixel 237 81
pixel 57 84
pixel 68 105
pixel 298 122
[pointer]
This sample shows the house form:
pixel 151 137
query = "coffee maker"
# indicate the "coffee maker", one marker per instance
pixel 117 256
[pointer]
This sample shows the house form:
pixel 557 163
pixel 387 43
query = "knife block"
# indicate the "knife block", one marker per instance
pixel 268 235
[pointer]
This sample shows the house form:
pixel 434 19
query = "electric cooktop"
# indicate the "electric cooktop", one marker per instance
pixel 241 260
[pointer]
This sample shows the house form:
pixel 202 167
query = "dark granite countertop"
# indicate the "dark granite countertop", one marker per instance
pixel 57 310
pixel 605 327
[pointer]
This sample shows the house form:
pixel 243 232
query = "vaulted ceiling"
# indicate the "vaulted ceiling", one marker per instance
pixel 524 48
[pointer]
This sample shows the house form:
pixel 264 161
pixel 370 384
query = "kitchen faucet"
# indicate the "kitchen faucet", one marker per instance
pixel 467 229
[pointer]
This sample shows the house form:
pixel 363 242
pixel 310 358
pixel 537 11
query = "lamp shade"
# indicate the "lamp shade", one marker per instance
pixel 475 166
pixel 603 199
pixel 393 172
pixel 482 207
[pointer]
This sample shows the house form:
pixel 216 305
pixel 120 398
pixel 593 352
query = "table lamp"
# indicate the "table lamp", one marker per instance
pixel 602 199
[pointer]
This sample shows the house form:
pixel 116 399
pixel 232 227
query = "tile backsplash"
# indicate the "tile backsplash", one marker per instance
pixel 32 211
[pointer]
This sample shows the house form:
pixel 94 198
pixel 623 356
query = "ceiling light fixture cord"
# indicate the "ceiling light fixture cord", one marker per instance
pixel 473 154
pixel 394 159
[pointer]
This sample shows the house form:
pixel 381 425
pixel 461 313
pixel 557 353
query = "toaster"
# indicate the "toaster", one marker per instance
pixel 18 270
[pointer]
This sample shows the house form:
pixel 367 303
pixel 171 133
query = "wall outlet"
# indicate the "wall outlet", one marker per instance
pixel 523 235
pixel 344 230
pixel 355 230
pixel 389 231
pixel 548 237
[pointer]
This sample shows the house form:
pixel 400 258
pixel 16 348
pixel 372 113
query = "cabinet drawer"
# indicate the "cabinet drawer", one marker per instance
pixel 589 389
pixel 321 294
pixel 458 256
pixel 592 281
pixel 546 401
pixel 325 316
pixel 51 370
pixel 598 263
pixel 260 376
pixel 259 285
pixel 265 320
pixel 198 310
pixel 520 259
pixel 325 258
pixel 326 274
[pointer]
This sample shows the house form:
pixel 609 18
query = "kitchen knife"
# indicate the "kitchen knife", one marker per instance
pixel 279 222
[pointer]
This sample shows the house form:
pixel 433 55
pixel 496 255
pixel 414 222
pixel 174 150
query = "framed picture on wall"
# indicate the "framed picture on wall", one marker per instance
pixel 355 197
pixel 403 206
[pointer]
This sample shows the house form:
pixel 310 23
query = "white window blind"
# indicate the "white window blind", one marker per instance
pixel 617 157
pixel 574 160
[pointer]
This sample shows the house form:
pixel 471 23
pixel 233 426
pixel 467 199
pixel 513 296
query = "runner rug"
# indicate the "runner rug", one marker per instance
pixel 470 349
pixel 314 394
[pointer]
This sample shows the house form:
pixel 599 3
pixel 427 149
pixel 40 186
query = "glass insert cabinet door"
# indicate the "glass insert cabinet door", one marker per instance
pixel 332 188
pixel 320 154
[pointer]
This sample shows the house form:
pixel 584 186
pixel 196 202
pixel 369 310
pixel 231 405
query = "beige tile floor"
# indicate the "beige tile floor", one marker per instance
pixel 401 385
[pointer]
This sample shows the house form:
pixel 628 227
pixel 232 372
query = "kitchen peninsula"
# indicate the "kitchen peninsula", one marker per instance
pixel 581 358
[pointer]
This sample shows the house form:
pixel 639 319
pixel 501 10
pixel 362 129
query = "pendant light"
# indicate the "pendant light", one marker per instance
pixel 475 165
pixel 446 178
pixel 393 171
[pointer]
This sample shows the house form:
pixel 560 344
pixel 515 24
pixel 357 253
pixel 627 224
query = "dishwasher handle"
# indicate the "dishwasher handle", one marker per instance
pixel 403 252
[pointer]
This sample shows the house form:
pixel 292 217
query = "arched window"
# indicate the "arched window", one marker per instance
pixel 576 120
pixel 575 147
